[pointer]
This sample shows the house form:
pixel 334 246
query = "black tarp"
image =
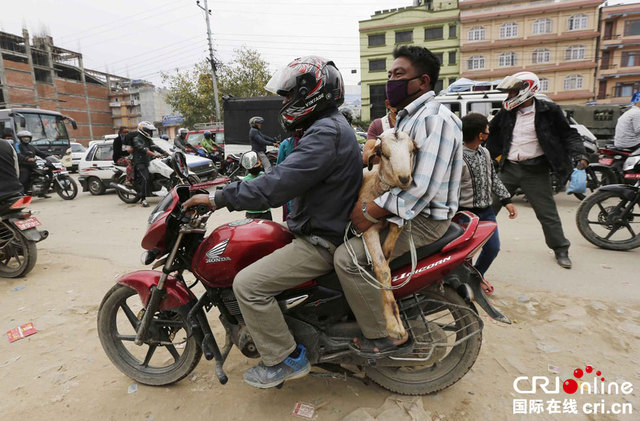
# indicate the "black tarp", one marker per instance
pixel 238 111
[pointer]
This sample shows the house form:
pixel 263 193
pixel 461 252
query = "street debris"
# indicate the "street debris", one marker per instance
pixel 395 408
pixel 553 369
pixel 18 288
pixel 133 388
pixel 21 332
pixel 304 410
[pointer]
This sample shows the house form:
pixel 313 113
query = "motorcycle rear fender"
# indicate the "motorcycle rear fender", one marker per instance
pixel 31 234
pixel 623 190
pixel 177 294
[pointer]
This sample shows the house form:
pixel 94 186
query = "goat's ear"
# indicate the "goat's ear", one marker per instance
pixel 377 148
pixel 370 161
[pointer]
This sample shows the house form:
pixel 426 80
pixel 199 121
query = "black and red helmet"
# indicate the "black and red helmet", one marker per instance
pixel 310 84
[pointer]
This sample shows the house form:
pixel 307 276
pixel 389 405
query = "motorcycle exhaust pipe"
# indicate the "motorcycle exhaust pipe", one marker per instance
pixel 43 235
pixel 122 188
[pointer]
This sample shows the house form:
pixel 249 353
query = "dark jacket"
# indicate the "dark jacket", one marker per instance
pixel 141 145
pixel 562 145
pixel 9 182
pixel 118 150
pixel 259 141
pixel 322 175
pixel 26 151
pixel 180 143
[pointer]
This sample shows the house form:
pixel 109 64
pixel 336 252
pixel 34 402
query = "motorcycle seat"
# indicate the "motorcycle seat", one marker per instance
pixel 330 280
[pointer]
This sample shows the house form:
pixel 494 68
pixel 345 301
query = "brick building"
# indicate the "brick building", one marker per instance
pixel 619 72
pixel 35 73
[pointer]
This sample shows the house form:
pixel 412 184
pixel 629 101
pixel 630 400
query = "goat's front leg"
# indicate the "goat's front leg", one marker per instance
pixel 391 240
pixel 381 269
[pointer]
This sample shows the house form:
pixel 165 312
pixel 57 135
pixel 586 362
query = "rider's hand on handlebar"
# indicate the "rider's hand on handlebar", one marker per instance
pixel 196 200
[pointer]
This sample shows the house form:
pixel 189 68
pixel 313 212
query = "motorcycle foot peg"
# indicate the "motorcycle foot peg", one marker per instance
pixel 222 377
pixel 206 350
pixel 371 362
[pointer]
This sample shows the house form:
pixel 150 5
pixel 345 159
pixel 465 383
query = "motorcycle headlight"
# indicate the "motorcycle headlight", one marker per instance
pixel 630 163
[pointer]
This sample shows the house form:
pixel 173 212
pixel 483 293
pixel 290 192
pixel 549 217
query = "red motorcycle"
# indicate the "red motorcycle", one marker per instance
pixel 154 328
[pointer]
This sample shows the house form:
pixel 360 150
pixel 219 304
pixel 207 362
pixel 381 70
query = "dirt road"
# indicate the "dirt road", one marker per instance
pixel 563 320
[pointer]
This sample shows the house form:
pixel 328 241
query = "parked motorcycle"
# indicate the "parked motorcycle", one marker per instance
pixel 610 218
pixel 163 178
pixel 18 237
pixel 50 175
pixel 155 330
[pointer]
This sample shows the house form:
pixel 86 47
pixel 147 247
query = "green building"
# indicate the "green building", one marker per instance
pixel 432 24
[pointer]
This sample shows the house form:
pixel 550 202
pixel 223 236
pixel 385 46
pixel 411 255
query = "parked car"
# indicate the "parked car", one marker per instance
pixel 73 156
pixel 96 172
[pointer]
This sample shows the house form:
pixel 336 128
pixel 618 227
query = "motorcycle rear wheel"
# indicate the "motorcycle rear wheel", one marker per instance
pixel 68 190
pixel 423 380
pixel 18 256
pixel 124 196
pixel 155 365
pixel 599 220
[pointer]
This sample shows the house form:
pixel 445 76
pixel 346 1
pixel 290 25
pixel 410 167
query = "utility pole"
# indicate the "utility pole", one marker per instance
pixel 207 12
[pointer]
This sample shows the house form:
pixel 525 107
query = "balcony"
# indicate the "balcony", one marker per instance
pixel 115 104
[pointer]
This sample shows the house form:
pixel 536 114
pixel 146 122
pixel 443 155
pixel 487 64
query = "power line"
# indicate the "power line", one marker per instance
pixel 155 50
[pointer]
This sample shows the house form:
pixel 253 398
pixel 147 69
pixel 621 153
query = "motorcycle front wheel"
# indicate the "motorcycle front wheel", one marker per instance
pixel 170 352
pixel 455 327
pixel 603 220
pixel 17 254
pixel 125 196
pixel 66 188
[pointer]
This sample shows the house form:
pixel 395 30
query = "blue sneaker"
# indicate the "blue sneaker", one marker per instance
pixel 264 377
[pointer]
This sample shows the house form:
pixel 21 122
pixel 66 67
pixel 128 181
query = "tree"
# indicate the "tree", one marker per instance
pixel 191 91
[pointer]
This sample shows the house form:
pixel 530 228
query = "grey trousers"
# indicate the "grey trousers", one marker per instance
pixel 256 286
pixel 365 300
pixel 264 160
pixel 535 182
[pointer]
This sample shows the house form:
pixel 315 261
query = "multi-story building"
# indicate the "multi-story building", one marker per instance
pixel 556 39
pixel 619 72
pixel 431 23
pixel 138 100
pixel 35 73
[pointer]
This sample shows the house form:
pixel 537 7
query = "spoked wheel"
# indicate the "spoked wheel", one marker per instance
pixel 66 188
pixel 446 346
pixel 170 353
pixel 17 254
pixel 96 187
pixel 604 221
pixel 126 197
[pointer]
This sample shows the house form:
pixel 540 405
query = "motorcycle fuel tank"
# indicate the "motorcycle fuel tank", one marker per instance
pixel 234 246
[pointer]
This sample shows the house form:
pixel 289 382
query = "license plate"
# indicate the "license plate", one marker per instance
pixel 25 224
pixel 632 176
pixel 606 161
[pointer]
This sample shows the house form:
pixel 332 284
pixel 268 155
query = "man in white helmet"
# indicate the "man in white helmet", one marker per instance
pixel 180 141
pixel 533 137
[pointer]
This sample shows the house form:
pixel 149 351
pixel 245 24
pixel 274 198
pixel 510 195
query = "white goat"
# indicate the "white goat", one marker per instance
pixel 396 151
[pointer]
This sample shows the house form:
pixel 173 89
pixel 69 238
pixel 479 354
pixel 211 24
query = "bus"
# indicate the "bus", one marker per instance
pixel 47 127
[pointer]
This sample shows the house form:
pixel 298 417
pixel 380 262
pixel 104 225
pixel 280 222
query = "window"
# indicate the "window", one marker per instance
pixel 377 65
pixel 608 31
pixel 485 108
pixel 475 62
pixel 404 36
pixel 575 52
pixel 626 89
pixel 433 33
pixel 453 31
pixel 103 153
pixel 76 147
pixel 452 57
pixel 377 96
pixel 573 82
pixel 577 22
pixel 477 33
pixel 542 26
pixel 541 55
pixel 509 30
pixel 630 58
pixel 507 59
pixel 375 40
pixel 544 85
pixel 440 57
pixel 451 80
pixel 632 27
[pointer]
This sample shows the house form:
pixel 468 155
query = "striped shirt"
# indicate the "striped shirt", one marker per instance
pixel 435 189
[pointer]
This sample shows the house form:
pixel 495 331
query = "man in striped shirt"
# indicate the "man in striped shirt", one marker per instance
pixel 429 203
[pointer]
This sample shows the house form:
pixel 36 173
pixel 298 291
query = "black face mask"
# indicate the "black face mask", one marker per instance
pixel 255 171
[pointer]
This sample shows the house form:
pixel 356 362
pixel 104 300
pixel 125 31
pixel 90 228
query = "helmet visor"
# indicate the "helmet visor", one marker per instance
pixel 283 81
pixel 511 83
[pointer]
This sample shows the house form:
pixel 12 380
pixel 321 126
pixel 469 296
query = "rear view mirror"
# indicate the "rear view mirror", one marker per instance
pixel 72 121
pixel 180 165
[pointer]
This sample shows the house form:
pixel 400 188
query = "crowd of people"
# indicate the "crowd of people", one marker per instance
pixel 319 174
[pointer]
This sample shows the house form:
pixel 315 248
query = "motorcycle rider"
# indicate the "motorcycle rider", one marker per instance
pixel 322 176
pixel 9 171
pixel 210 146
pixel 121 152
pixel 260 141
pixel 429 203
pixel 143 151
pixel 180 141
pixel 628 126
pixel 27 158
